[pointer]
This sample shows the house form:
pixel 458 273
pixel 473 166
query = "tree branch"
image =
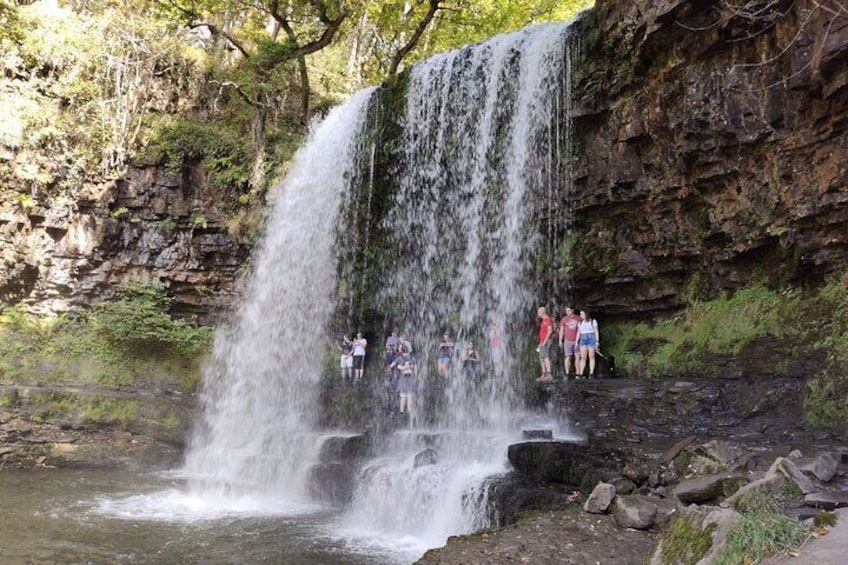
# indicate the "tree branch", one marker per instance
pixel 244 96
pixel 413 41
pixel 216 31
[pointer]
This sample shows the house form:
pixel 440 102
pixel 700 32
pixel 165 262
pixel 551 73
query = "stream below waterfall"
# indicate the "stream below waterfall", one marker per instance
pixel 99 517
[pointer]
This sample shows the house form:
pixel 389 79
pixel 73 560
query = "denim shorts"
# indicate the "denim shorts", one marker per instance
pixel 569 347
pixel 587 340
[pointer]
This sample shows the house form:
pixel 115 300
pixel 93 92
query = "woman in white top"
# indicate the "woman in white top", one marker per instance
pixel 359 346
pixel 588 340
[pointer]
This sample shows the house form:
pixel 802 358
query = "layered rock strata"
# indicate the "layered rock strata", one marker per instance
pixel 711 150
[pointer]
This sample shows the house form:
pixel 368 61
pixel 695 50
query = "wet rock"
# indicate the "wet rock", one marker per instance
pixel 600 499
pixel 682 387
pixel 537 434
pixel 720 451
pixel 556 461
pixel 705 489
pixel 827 500
pixel 345 448
pixel 623 485
pixel 426 457
pixel 332 482
pixel 823 466
pixel 512 494
pixel 673 451
pixel 638 512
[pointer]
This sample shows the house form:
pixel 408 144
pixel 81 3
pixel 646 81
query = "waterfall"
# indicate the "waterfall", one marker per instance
pixel 257 424
pixel 481 154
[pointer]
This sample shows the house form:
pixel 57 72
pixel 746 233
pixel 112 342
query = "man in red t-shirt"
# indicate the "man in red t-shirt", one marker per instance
pixel 546 330
pixel 568 338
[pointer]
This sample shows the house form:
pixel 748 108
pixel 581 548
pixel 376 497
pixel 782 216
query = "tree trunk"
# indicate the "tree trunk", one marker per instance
pixel 257 178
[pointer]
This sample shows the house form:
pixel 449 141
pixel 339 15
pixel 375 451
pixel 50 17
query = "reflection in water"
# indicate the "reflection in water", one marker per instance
pixel 56 516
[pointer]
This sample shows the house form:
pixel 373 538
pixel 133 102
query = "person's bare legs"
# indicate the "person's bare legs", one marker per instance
pixel 581 360
pixel 591 351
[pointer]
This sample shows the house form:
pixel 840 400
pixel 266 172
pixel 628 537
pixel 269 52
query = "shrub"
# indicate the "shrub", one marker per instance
pixel 130 341
pixel 141 322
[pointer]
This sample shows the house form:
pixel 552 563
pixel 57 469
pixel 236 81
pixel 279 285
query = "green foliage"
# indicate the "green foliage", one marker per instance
pixel 141 322
pixel 119 213
pixel 825 520
pixel 762 530
pixel 685 544
pixel 707 328
pixel 110 411
pixel 11 27
pixel 130 341
pixel 84 82
pixel 826 401
pixel 168 224
pixel 224 154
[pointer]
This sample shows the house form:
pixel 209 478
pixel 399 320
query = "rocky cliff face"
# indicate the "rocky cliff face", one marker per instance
pixel 712 150
pixel 148 226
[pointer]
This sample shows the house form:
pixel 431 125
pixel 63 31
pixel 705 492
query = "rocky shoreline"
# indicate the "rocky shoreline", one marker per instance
pixel 85 428
pixel 654 450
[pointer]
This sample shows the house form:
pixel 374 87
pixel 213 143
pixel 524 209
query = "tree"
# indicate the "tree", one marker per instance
pixel 252 28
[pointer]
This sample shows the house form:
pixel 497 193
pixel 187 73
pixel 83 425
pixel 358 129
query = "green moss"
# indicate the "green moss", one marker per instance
pixel 825 520
pixel 729 487
pixel 111 411
pixel 685 544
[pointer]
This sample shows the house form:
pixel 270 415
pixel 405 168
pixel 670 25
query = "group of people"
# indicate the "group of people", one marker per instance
pixel 578 338
pixel 353 357
pixel 400 367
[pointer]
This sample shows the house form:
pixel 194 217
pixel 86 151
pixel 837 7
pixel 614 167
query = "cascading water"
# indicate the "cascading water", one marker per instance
pixel 483 153
pixel 257 427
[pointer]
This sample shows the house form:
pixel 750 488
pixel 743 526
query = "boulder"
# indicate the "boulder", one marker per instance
pixel 765 485
pixel 790 471
pixel 623 485
pixel 600 499
pixel 638 512
pixel 827 500
pixel 557 462
pixel 705 489
pixel 673 451
pixel 823 466
pixel 426 457
pixel 696 534
pixel 332 482
pixel 345 448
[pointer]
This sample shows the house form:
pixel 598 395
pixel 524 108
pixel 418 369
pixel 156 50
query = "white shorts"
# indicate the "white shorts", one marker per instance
pixel 407 395
pixel 347 362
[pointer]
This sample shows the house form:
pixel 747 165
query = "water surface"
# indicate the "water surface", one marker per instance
pixel 61 516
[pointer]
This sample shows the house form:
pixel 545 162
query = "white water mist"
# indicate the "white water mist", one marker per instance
pixel 257 430
pixel 482 155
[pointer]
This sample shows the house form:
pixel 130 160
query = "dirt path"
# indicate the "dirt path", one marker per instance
pixel 569 536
